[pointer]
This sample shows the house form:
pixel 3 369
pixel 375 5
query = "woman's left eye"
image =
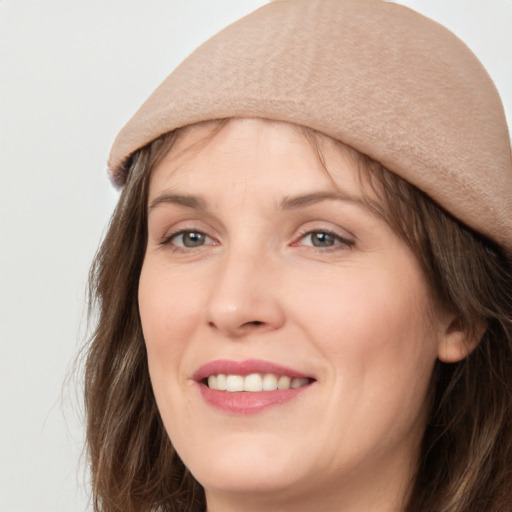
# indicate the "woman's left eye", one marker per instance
pixel 324 239
pixel 189 239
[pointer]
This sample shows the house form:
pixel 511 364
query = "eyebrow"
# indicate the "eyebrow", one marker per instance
pixel 300 201
pixel 288 203
pixel 186 200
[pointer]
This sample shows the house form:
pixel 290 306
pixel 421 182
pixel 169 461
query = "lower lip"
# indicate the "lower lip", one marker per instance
pixel 246 402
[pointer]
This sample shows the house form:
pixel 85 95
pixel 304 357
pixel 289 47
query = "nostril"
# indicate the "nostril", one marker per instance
pixel 240 328
pixel 253 322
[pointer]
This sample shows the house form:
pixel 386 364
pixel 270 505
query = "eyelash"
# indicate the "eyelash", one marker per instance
pixel 340 242
pixel 167 241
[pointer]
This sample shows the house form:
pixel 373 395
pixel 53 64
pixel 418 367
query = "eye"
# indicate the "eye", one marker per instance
pixel 324 239
pixel 189 239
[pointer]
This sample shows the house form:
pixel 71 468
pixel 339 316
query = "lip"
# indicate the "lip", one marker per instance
pixel 244 368
pixel 243 402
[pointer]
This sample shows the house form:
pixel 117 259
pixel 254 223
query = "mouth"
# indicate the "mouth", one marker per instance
pixel 250 386
pixel 254 382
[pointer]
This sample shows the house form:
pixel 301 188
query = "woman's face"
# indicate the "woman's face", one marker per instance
pixel 263 270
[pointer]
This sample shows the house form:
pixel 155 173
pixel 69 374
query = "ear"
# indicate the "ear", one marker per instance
pixel 456 342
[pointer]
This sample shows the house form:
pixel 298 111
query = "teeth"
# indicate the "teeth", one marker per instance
pixel 254 382
pixel 298 383
pixel 221 382
pixel 284 382
pixel 234 383
pixel 269 382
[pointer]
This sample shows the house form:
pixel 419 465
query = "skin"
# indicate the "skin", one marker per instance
pixel 354 313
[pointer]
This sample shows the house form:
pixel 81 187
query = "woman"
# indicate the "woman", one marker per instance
pixel 305 291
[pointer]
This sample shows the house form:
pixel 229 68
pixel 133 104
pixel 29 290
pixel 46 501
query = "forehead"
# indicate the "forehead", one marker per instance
pixel 254 152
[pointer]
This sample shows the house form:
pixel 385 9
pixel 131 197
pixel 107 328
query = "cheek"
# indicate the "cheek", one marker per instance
pixel 168 312
pixel 374 329
pixel 377 308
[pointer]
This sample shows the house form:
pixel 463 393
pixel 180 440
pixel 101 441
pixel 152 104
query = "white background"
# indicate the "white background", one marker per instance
pixel 71 73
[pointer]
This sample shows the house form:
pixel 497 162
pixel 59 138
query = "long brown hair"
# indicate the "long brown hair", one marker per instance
pixel 466 458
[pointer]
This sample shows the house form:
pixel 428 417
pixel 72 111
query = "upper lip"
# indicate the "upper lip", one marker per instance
pixel 246 367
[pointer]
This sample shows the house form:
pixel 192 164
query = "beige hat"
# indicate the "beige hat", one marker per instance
pixel 378 76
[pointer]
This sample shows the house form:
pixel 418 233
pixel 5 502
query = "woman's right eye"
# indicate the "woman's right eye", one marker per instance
pixel 188 239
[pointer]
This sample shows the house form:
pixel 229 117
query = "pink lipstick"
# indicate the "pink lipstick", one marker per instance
pixel 250 386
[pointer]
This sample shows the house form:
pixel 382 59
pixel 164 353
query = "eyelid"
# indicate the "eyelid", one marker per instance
pixel 168 237
pixel 343 241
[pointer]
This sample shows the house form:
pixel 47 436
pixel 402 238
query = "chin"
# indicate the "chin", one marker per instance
pixel 244 480
pixel 239 468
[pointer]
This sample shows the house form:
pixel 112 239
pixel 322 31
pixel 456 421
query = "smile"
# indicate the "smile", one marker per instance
pixel 249 387
pixel 255 382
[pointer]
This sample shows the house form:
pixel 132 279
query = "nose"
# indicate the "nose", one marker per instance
pixel 244 297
